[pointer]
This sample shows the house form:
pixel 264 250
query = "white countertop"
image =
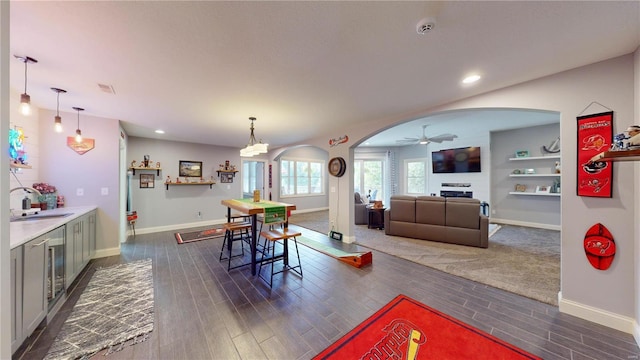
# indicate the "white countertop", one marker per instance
pixel 21 232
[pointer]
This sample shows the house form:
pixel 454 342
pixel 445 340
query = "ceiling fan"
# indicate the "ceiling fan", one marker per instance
pixel 424 140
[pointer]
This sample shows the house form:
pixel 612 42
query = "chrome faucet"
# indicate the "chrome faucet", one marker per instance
pixel 25 188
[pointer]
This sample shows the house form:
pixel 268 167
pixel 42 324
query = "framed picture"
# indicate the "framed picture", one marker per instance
pixel 226 178
pixel 543 189
pixel 147 181
pixel 521 187
pixel 190 168
pixel 522 153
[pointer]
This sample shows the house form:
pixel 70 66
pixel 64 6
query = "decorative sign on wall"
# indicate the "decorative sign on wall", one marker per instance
pixel 599 246
pixel 82 147
pixel 594 136
pixel 340 140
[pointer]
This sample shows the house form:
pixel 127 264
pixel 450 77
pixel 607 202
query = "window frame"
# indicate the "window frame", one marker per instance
pixel 309 178
pixel 425 162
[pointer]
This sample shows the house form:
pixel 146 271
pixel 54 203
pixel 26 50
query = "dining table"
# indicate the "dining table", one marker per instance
pixel 252 209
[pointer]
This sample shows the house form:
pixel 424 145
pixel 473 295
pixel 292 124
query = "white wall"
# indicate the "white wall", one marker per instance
pixel 606 297
pixel 160 209
pixel 92 171
pixel 307 202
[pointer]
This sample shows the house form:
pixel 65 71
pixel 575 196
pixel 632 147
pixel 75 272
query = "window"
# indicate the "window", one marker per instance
pixel 301 177
pixel 368 175
pixel 416 176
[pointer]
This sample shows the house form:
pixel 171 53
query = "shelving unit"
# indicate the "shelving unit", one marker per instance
pixel 133 169
pixel 210 183
pixel 535 175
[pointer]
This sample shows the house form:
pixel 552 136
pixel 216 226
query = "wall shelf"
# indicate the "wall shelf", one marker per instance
pixel 534 175
pixel 619 155
pixel 556 156
pixel 227 172
pixel 210 183
pixel 533 194
pixel 145 168
pixel 19 166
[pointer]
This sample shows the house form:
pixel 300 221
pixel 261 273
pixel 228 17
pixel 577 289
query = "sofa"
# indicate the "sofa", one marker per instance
pixel 436 218
pixel 360 217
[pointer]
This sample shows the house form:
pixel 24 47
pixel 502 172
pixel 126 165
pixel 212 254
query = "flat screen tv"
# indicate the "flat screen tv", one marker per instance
pixel 460 160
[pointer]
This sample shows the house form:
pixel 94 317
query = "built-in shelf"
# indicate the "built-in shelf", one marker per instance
pixel 534 175
pixel 619 155
pixel 555 156
pixel 19 166
pixel 533 193
pixel 210 183
pixel 133 169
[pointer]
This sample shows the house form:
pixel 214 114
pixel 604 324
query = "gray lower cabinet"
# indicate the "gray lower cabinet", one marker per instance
pixel 34 291
pixel 81 244
pixel 16 298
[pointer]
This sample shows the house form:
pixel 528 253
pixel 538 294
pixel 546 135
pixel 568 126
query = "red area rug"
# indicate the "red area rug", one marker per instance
pixel 408 329
pixel 183 238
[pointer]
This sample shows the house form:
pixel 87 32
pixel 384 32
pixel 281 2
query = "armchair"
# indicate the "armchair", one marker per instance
pixel 360 210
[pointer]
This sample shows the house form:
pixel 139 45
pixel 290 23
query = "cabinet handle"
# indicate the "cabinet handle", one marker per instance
pixel 40 243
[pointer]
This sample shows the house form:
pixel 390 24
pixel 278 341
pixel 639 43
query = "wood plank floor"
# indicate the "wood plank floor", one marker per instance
pixel 204 312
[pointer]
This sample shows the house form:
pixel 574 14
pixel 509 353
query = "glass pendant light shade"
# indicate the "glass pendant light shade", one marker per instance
pixel 25 99
pixel 254 147
pixel 78 132
pixel 58 124
pixel 57 120
pixel 25 104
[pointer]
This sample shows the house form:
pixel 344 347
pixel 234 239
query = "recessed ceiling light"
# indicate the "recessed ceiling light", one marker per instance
pixel 471 79
pixel 159 131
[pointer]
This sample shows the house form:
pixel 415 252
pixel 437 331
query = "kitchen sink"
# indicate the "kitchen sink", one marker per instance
pixel 38 217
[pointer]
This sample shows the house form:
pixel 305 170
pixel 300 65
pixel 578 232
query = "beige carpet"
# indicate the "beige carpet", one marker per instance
pixel 522 260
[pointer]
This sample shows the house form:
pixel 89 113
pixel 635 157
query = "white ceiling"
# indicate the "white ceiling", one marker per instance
pixel 199 70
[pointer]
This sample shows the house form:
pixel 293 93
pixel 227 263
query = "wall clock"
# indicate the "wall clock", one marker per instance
pixel 337 166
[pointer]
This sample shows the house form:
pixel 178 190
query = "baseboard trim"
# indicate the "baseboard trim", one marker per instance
pixel 599 316
pixel 526 224
pixel 106 252
pixel 157 229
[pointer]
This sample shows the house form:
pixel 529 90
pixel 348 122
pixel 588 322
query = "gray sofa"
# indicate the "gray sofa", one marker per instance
pixel 450 220
pixel 360 217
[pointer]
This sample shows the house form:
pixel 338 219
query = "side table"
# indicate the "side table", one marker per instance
pixel 375 217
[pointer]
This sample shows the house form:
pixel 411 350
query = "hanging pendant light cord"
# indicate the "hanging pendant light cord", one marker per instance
pixel 25 75
pixel 58 105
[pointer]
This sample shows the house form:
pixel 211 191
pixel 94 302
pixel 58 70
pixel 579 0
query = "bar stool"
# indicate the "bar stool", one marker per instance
pixel 271 238
pixel 234 231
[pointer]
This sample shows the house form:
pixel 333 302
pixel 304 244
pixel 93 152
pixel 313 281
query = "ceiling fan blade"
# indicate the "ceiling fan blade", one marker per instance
pixel 443 137
pixel 406 141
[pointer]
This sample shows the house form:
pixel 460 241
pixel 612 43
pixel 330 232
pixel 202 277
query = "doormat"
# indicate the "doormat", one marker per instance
pixel 187 237
pixel 408 329
pixel 115 309
pixel 357 259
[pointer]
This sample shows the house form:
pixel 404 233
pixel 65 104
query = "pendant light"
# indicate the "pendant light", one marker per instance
pixel 253 147
pixel 58 119
pixel 25 99
pixel 78 132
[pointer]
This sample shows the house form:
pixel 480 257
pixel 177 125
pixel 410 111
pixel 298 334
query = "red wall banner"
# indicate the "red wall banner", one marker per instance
pixel 594 136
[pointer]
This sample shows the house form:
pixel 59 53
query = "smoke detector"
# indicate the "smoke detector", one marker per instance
pixel 425 25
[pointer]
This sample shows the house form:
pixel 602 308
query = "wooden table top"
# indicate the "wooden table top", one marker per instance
pixel 252 208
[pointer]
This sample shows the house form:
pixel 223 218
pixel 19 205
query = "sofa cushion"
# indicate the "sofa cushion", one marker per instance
pixel 403 208
pixel 463 213
pixel 430 210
